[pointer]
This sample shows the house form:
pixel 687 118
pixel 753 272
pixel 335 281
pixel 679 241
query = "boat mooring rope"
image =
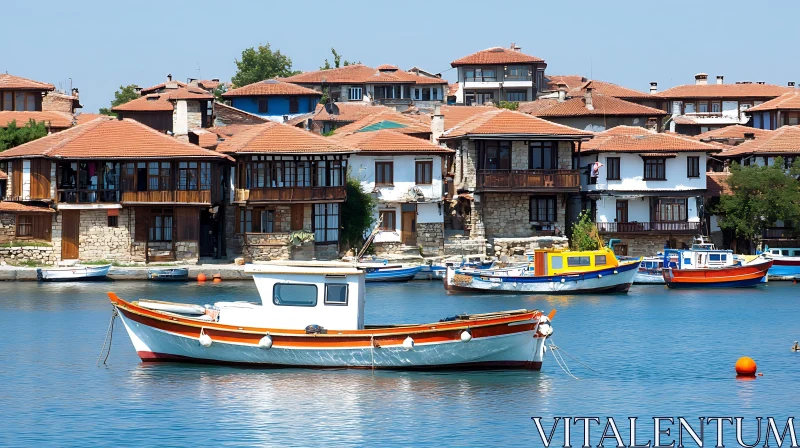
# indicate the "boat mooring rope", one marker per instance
pixel 109 338
pixel 554 346
pixel 372 351
pixel 561 362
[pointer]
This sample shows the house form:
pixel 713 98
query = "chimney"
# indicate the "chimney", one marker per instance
pixel 653 87
pixel 437 125
pixel 760 82
pixel 169 77
pixel 701 79
pixel 215 79
pixel 515 47
pixel 719 79
pixel 562 91
pixel 749 136
pixel 587 98
pixel 791 84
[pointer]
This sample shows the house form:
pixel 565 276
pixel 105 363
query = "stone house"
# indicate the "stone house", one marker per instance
pixel 176 111
pixel 22 100
pixel 121 191
pixel 286 183
pixel 405 174
pixel 498 74
pixel 516 174
pixel 645 188
pixel 274 100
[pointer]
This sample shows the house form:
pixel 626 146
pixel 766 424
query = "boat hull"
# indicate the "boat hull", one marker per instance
pixel 648 278
pixel 73 274
pixel 611 280
pixel 785 267
pixel 168 275
pixel 508 342
pixel 727 277
pixel 391 274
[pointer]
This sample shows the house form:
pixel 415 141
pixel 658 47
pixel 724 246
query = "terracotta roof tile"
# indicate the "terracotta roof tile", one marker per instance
pixel 576 84
pixel 387 67
pixel 188 93
pixel 765 91
pixel 402 123
pixel 229 115
pixel 452 89
pixel 784 140
pixel 788 101
pixel 602 105
pixel 454 115
pixel 717 184
pixel 17 82
pixel 163 101
pixel 85 118
pixel 3 175
pixel 736 131
pixel 229 130
pixel 108 138
pixel 277 138
pixel 358 74
pixel 388 140
pixel 639 140
pixel 347 112
pixel 163 85
pixel 511 123
pixel 534 107
pixel 270 87
pixel 16 207
pixel 209 84
pixel 60 120
pixel 496 55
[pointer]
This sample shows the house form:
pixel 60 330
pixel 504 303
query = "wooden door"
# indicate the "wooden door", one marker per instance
pixel 409 228
pixel 297 216
pixel 70 223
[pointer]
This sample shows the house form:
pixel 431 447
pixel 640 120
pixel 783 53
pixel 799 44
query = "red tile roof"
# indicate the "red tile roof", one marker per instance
pixel 507 123
pixel 454 115
pixel 277 138
pixel 108 138
pixel 576 84
pixel 452 89
pixel 229 130
pixel 787 101
pixel 639 140
pixel 17 82
pixel 688 91
pixel 784 140
pixel 412 124
pixel 58 120
pixel 717 184
pixel 602 105
pixel 736 131
pixel 85 118
pixel 387 67
pixel 389 141
pixel 188 93
pixel 209 84
pixel 347 112
pixel 205 138
pixel 16 207
pixel 496 55
pixel 270 87
pixel 163 85
pixel 163 101
pixel 359 74
pixel 3 175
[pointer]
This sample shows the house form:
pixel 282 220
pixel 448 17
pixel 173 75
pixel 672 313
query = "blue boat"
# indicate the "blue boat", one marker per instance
pixel 786 262
pixel 376 272
pixel 168 274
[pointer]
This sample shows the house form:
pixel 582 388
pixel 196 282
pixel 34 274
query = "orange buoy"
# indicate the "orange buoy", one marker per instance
pixel 201 277
pixel 745 366
pixel 217 278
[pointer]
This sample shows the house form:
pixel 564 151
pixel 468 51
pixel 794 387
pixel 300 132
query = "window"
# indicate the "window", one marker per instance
pixel 161 225
pixel 669 209
pixel 188 174
pixel 621 249
pixel 113 221
pixel 8 100
pixel 557 262
pixel 688 108
pixel 543 208
pixel 516 96
pixel 612 168
pixel 702 106
pixel 24 225
pixel 518 73
pixel 336 294
pixel 267 221
pixel 424 172
pixel 622 211
pixel 326 223
pixel 152 176
pixel 434 93
pixel 716 107
pixel 655 169
pixel 543 155
pixel 579 261
pixel 384 173
pixel 293 105
pixel 693 166
pixel 354 93
pixel 256 221
pixel 426 94
pixel 388 221
pixel 293 294
pixel 713 257
pixel 263 106
pixel 496 155
pixel 599 260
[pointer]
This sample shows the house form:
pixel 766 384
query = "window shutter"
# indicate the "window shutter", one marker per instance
pixel 142 220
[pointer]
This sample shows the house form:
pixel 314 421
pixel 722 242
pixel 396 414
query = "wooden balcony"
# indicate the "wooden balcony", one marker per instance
pixel 292 194
pixel 92 196
pixel 528 180
pixel 666 227
pixel 780 233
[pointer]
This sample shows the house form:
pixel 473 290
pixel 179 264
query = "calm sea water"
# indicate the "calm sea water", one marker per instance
pixel 654 352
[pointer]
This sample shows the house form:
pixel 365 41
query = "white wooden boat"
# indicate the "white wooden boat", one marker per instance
pixel 312 315
pixel 168 274
pixel 650 271
pixel 73 273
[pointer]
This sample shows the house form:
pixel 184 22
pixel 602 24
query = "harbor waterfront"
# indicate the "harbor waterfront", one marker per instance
pixel 653 352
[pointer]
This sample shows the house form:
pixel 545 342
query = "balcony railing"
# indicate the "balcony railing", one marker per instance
pixel 291 194
pixel 91 196
pixel 527 180
pixel 481 79
pixel 780 233
pixel 644 227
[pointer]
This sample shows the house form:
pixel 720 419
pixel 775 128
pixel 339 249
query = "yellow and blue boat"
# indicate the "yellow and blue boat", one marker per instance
pixel 552 271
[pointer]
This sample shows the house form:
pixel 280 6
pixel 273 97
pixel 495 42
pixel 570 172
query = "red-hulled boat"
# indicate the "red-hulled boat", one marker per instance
pixel 703 266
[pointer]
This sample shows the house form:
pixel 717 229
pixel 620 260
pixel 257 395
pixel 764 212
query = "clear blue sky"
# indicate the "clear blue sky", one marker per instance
pixel 103 44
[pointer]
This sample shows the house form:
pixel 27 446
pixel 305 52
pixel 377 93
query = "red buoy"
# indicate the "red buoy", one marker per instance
pixel 745 366
pixel 217 278
pixel 201 277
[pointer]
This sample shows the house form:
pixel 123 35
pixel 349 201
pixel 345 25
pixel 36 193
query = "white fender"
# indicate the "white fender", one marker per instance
pixel 408 343
pixel 265 343
pixel 466 336
pixel 205 340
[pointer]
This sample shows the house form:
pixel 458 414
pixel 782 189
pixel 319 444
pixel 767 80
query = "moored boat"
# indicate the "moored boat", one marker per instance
pixel 168 274
pixel 703 266
pixel 553 271
pixel 73 273
pixel 786 262
pixel 312 315
pixel 650 271
pixel 386 272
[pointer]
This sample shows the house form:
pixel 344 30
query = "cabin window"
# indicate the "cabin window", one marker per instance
pixel 388 221
pixel 326 223
pixel 713 257
pixel 655 169
pixel 263 106
pixel 424 172
pixel 785 252
pixel 579 261
pixel 612 168
pixel 293 294
pixel 384 173
pixel 693 166
pixel 687 261
pixel 543 156
pixel 557 262
pixel 336 294
pixel 354 93
pixel 543 208
pixel 599 260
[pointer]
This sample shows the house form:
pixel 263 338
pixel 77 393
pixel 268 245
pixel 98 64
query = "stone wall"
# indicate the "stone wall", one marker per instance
pixel 430 236
pixel 187 251
pixel 98 241
pixel 47 253
pixel 8 227
pixel 57 102
pixel 649 245
pixel 517 247
pixel 266 247
pixel 194 115
pixel 327 251
pixel 508 215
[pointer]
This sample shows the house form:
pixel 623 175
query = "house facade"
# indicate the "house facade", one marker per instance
pixel 516 174
pixel 115 190
pixel 498 74
pixel 645 189
pixel 176 111
pixel 405 174
pixel 286 184
pixel 781 111
pixel 23 100
pixel 275 100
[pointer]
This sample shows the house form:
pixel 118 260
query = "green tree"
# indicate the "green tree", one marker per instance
pixel 760 195
pixel 510 105
pixel 219 91
pixel 584 234
pixel 13 135
pixel 357 214
pixel 121 96
pixel 337 61
pixel 260 64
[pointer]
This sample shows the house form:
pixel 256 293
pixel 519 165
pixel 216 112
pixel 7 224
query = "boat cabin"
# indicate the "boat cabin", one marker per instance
pixel 698 258
pixel 296 295
pixel 554 262
pixel 784 252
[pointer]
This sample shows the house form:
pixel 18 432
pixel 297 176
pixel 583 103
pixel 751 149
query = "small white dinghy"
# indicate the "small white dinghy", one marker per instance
pixel 73 273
